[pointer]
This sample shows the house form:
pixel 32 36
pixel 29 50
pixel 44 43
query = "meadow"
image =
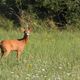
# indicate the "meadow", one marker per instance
pixel 49 55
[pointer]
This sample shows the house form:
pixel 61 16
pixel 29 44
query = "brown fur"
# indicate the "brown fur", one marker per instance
pixel 14 45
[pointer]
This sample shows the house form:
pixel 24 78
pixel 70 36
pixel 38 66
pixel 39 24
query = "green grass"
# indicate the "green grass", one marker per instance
pixel 48 56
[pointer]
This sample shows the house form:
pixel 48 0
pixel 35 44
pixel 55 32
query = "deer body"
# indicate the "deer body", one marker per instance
pixel 14 45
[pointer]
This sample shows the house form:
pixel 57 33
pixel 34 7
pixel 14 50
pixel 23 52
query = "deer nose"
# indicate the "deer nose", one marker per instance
pixel 28 34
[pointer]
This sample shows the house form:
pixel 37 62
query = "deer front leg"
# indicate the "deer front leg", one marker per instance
pixel 18 54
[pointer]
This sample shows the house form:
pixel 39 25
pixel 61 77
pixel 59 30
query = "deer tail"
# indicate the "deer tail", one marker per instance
pixel 0 43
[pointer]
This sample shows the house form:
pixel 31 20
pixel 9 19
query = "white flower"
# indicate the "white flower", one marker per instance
pixel 12 72
pixel 60 67
pixel 43 69
pixel 68 74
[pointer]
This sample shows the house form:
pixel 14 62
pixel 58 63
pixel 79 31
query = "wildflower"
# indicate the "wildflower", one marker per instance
pixel 68 74
pixel 12 72
pixel 43 69
pixel 60 67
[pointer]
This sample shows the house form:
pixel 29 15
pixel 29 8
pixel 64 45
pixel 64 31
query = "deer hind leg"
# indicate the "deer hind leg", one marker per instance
pixel 5 53
pixel 2 53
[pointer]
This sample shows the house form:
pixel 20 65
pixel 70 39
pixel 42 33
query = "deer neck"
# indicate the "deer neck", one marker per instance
pixel 25 38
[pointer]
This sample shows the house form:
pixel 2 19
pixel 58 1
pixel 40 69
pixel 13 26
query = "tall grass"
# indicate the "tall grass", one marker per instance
pixel 48 56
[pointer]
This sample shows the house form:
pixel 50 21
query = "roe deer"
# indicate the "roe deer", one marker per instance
pixel 14 45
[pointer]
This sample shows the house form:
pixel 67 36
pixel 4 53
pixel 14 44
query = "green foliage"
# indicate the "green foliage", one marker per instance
pixel 63 12
pixel 68 9
pixel 11 2
pixel 6 23
pixel 2 1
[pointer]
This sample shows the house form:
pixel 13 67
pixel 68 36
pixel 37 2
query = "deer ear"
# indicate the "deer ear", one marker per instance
pixel 30 29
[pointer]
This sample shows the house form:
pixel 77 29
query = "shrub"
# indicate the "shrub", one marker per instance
pixel 6 23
